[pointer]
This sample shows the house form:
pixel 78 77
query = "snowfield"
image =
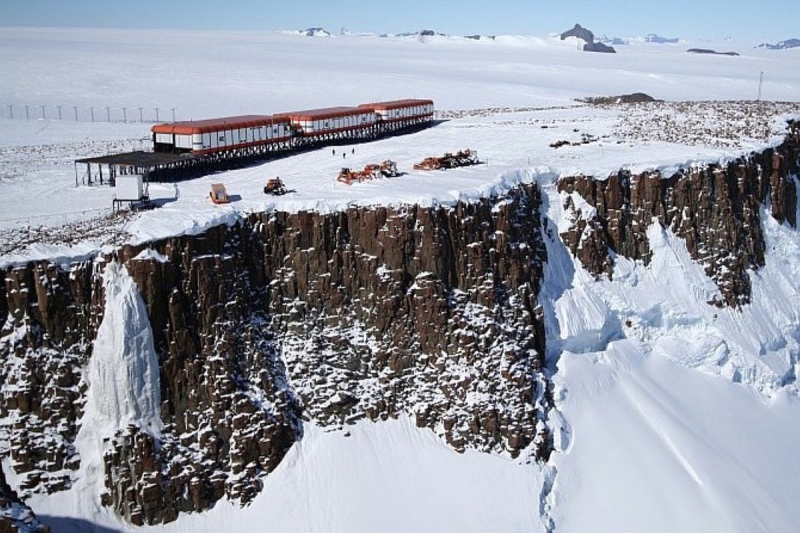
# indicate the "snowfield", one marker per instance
pixel 673 415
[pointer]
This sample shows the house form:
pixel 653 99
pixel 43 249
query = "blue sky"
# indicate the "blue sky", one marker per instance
pixel 741 19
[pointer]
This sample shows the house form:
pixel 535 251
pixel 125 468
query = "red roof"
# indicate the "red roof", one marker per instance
pixel 324 113
pixel 190 127
pixel 397 104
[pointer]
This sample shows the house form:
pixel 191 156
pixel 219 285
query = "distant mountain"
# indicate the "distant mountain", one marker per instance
pixel 782 45
pixel 580 32
pixel 616 41
pixel 653 38
pixel 586 35
pixel 316 32
pixel 422 33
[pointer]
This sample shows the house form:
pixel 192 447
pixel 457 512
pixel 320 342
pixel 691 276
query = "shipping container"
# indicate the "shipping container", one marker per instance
pixel 211 135
pixel 330 120
pixel 396 110
pixel 129 187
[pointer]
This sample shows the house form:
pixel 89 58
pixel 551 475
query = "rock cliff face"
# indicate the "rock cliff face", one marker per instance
pixel 15 516
pixel 716 209
pixel 369 313
pixel 50 315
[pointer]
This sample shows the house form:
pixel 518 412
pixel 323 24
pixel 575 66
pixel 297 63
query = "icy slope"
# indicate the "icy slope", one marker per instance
pixel 665 305
pixel 674 415
pixel 658 447
pixel 390 477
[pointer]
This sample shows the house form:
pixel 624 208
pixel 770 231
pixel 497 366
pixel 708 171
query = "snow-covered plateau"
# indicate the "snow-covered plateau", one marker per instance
pixel 513 388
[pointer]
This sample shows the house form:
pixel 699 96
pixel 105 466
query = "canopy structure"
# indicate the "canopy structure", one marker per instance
pixel 139 162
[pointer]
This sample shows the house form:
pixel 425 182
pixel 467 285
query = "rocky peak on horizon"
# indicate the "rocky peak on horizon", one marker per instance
pixel 781 45
pixel 588 37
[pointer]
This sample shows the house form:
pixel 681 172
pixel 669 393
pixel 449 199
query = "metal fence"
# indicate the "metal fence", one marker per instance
pixel 76 113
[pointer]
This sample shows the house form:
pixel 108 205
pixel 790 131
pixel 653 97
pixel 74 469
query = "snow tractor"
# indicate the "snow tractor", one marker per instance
pixel 348 176
pixel 462 158
pixel 388 169
pixel 275 187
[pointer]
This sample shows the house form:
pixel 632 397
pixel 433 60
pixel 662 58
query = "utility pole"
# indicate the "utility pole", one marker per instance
pixel 141 118
pixel 59 112
pixel 173 114
pixel 156 114
pixel 124 115
pixel 11 110
pixel 760 83
pixel 108 114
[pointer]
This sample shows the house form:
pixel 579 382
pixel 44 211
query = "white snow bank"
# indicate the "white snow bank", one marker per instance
pixel 388 476
pixel 586 323
pixel 658 447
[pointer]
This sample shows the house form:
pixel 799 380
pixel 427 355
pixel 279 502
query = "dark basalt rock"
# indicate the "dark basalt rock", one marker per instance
pixel 633 98
pixel 580 32
pixel 591 46
pixel 709 51
pixel 369 313
pixel 716 209
pixel 599 47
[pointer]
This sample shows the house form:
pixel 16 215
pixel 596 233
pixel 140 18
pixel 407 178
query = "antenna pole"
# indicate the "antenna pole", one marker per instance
pixel 760 83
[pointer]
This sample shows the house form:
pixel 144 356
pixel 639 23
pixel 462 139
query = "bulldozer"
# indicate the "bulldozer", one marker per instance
pixel 275 187
pixel 348 176
pixel 388 169
pixel 429 163
pixel 462 158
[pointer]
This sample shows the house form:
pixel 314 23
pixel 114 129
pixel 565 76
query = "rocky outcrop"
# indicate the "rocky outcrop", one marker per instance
pixel 590 44
pixel 716 209
pixel 15 516
pixel 781 45
pixel 424 311
pixel 49 315
pixel 710 51
pixel 369 313
pixel 579 32
pixel 599 47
